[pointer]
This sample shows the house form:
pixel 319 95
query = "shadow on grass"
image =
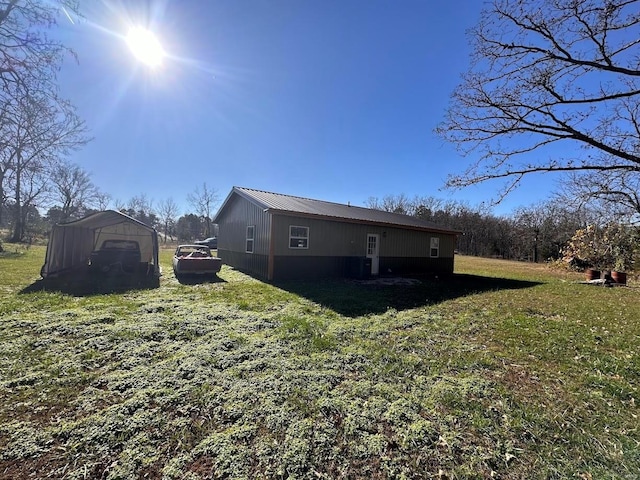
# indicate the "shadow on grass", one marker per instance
pixel 84 284
pixel 354 298
pixel 198 279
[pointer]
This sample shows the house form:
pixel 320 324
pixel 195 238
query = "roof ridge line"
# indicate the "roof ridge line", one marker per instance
pixel 308 198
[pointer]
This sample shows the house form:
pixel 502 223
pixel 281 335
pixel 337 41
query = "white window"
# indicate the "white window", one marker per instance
pixel 372 244
pixel 298 237
pixel 250 234
pixel 435 247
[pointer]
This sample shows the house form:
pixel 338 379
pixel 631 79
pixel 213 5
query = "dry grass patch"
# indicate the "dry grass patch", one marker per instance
pixel 506 371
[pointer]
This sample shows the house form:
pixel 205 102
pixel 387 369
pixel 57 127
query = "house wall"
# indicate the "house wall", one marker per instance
pixel 335 247
pixel 232 225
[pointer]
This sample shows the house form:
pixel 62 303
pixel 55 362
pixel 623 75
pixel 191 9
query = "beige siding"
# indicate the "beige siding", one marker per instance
pixel 332 238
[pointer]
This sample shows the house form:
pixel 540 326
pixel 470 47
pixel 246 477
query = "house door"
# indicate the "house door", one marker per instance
pixel 373 245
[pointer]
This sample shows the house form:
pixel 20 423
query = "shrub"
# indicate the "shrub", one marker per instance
pixel 613 246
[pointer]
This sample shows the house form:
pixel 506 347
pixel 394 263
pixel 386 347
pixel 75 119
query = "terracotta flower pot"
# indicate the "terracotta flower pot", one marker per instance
pixel 592 274
pixel 619 277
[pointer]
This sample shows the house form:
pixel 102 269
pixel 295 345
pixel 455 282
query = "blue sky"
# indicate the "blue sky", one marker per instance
pixel 335 100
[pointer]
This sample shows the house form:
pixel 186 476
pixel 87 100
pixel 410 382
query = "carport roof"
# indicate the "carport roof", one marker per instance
pixel 277 203
pixel 103 219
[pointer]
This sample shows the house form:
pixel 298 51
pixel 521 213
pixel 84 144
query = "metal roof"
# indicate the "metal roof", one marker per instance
pixel 286 204
pixel 104 218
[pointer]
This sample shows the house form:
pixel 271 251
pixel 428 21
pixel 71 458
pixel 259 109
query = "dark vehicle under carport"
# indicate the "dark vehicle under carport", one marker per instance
pixel 106 242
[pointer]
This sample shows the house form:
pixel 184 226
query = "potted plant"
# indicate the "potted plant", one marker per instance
pixel 619 274
pixel 586 250
pixel 622 241
pixel 619 277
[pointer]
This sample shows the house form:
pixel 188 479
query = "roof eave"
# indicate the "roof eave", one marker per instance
pixel 292 213
pixel 238 191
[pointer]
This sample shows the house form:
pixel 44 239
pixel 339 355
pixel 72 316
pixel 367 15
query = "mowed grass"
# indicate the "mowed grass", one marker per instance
pixel 508 370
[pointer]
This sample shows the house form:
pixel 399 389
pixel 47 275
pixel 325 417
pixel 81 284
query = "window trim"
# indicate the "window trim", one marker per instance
pixel 250 239
pixel 434 246
pixel 291 237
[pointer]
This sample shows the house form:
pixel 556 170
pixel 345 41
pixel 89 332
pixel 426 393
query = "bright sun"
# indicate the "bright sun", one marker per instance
pixel 145 46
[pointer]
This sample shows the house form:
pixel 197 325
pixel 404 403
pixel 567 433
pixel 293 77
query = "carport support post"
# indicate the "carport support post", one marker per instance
pixel 156 259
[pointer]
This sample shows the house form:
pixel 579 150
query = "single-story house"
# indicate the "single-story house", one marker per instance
pixel 70 244
pixel 280 237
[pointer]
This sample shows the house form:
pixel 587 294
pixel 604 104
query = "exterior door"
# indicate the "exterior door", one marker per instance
pixel 373 246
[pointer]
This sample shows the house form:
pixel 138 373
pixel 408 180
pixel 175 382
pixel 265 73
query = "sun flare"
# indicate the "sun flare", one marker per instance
pixel 145 46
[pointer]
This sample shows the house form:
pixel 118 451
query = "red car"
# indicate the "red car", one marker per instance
pixel 195 260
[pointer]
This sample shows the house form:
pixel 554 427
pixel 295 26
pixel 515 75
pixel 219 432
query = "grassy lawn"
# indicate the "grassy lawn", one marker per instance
pixel 507 370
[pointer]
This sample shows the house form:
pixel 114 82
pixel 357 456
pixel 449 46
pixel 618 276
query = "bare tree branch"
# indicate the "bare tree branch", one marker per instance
pixel 544 73
pixel 72 190
pixel 204 201
pixel 167 212
pixel 40 131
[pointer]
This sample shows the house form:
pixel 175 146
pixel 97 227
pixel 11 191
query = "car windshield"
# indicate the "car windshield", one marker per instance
pixel 193 251
pixel 119 245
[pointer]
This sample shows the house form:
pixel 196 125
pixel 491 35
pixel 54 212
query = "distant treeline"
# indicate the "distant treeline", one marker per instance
pixel 535 233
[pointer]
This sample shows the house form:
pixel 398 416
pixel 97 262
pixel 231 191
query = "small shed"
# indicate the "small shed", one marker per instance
pixel 70 244
pixel 280 237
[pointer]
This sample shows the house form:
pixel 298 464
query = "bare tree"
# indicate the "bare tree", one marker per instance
pixel 426 207
pixel 6 159
pixel 615 196
pixel 39 130
pixel 28 56
pixel 36 126
pixel 103 200
pixel 120 205
pixel 547 73
pixel 203 202
pixel 34 189
pixel 392 203
pixel 140 203
pixel 167 211
pixel 141 208
pixel 72 189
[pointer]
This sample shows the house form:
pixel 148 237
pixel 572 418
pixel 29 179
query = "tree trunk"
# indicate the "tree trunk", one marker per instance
pixel 1 197
pixel 18 227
